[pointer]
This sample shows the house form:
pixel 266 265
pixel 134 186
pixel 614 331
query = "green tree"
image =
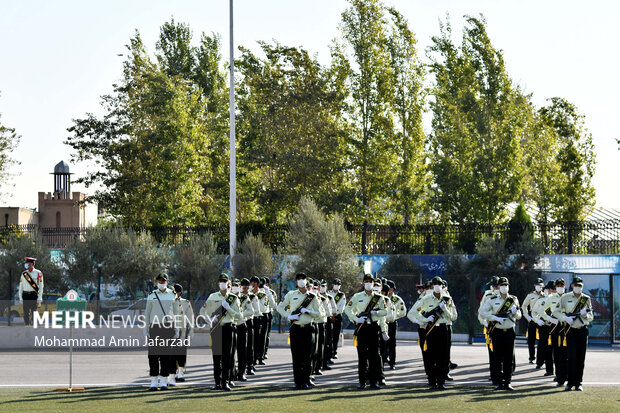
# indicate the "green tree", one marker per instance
pixel 253 258
pixel 411 191
pixel 323 245
pixel 291 139
pixel 575 157
pixel 8 142
pixel 156 143
pixel 374 152
pixel 478 121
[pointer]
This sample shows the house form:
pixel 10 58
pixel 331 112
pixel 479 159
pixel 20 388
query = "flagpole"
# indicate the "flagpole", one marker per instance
pixel 232 203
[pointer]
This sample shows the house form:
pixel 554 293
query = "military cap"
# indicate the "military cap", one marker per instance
pixel 577 280
pixel 162 276
pixel 560 281
pixel 445 283
pixel 436 280
pixel 385 288
pixel 419 286
pixel 550 285
pixel 235 281
pixel 178 288
pixel 377 280
pixel 300 275
pixel 254 279
pixel 30 259
pixel 337 281
pixel 323 282
pixel 245 281
pixel 391 284
pixel 368 277
pixel 539 281
pixel 224 277
pixel 493 281
pixel 428 284
pixel 503 281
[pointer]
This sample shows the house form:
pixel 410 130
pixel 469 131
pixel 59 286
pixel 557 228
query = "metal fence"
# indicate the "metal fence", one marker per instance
pixel 587 237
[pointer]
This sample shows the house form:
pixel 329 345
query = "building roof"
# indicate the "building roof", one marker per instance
pixel 61 168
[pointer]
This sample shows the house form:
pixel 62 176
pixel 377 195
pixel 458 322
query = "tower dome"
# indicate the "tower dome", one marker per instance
pixel 61 168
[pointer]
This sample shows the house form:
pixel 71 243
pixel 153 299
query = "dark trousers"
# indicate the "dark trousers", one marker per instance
pixel 320 347
pixel 391 343
pixel 242 350
pixel 314 347
pixel 368 353
pixel 30 306
pixel 421 341
pixel 544 349
pixel 222 341
pixel 259 339
pixel 232 374
pixel 159 353
pixel 327 348
pixel 531 342
pixel 503 352
pixel 449 345
pixel 268 332
pixel 249 359
pixel 437 354
pixel 576 346
pixel 178 359
pixel 337 328
pixel 301 344
pixel 560 357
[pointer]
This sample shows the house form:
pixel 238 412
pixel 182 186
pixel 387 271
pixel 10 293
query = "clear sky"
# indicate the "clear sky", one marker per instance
pixel 58 57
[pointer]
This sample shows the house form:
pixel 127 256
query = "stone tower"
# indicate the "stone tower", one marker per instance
pixel 61 208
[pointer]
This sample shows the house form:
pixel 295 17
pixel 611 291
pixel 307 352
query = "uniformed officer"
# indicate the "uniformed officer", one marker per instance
pixel 233 373
pixel 272 301
pixel 493 290
pixel 243 326
pixel 259 320
pixel 299 307
pixel 400 311
pixel 340 300
pixel 436 311
pixel 540 317
pixel 575 309
pixel 329 306
pixel 223 309
pixel 503 310
pixel 185 313
pixel 321 322
pixel 250 325
pixel 382 289
pixel 532 327
pixel 160 328
pixel 556 332
pixel 411 315
pixel 455 314
pixel 30 290
pixel 365 309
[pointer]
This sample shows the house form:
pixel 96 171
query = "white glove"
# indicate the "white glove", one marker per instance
pixel 583 311
pixel 570 320
pixel 540 322
pixel 385 336
pixel 305 311
pixel 514 310
pixel 360 320
pixel 214 319
pixel 528 318
pixel 21 301
pixel 553 320
pixel 430 319
pixel 176 333
pixel 485 323
pixel 498 319
pixel 374 312
pixel 293 317
pixel 442 305
pixel 226 305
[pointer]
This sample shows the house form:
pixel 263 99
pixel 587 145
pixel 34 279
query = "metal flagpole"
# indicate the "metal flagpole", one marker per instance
pixel 232 203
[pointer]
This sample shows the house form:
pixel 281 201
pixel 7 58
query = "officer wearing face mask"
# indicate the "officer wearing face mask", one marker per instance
pixel 411 315
pixel 247 312
pixel 526 309
pixel 503 310
pixel 493 290
pixel 299 307
pixel 340 300
pixel 30 290
pixel 330 311
pixel 556 331
pixel 272 300
pixel 249 299
pixel 575 309
pixel 365 309
pixel 436 311
pixel 223 309
pixel 539 317
pixel 186 315
pixel 160 328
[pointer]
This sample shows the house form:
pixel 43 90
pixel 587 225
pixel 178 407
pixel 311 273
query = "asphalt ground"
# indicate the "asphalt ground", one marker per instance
pixel 130 368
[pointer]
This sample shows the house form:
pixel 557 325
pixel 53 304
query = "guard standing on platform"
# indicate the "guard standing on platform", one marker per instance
pixel 365 309
pixel 159 316
pixel 185 312
pixel 400 311
pixel 532 327
pixel 224 311
pixel 30 290
pixel 544 327
pixel 436 311
pixel 502 311
pixel 575 309
pixel 340 299
pixel 299 306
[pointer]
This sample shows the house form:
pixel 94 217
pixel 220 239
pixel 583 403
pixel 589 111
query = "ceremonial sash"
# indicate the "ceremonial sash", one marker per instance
pixel 492 324
pixel 583 301
pixel 371 304
pixel 338 296
pixel 30 281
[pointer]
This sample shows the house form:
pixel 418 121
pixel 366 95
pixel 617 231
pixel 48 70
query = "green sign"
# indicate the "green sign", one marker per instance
pixel 71 303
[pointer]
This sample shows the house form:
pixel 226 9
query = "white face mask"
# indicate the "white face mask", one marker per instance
pixel 545 293
pixel 437 289
pixel 577 290
pixel 559 290
pixel 223 286
pixel 235 289
pixel 162 287
pixel 503 289
pixel 376 288
pixel 26 265
pixel 322 289
pixel 336 288
pixel 538 288
pixel 301 283
pixel 368 286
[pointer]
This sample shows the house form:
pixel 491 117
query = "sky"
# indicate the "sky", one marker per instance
pixel 58 57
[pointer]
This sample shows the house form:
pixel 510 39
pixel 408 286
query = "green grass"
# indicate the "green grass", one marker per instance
pixel 266 399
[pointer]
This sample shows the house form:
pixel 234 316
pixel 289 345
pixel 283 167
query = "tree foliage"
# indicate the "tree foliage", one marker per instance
pixel 8 142
pixel 253 258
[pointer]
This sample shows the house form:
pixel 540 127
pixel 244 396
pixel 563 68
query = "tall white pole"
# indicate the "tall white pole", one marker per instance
pixel 232 203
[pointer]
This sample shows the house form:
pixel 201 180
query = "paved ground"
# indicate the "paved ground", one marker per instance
pixel 113 368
